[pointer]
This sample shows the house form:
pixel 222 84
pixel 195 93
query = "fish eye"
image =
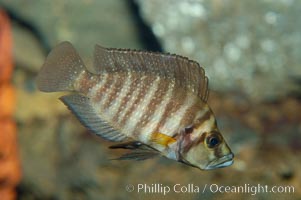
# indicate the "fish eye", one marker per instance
pixel 213 140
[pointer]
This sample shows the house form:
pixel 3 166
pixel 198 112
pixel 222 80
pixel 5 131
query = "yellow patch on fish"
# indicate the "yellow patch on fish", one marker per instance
pixel 162 139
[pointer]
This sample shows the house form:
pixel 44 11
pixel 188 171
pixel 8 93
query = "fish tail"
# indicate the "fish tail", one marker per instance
pixel 61 68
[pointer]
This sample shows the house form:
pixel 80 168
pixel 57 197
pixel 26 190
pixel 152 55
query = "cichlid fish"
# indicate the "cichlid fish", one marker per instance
pixel 154 103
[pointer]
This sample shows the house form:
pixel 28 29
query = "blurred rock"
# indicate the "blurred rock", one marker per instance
pixel 84 23
pixel 251 47
pixel 28 52
pixel 237 134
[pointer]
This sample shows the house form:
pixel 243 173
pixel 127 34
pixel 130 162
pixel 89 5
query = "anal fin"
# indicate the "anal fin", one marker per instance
pixel 138 155
pixel 81 107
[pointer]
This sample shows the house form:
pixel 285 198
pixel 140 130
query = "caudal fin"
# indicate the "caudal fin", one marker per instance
pixel 61 68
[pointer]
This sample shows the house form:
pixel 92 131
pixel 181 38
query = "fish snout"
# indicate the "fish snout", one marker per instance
pixel 224 161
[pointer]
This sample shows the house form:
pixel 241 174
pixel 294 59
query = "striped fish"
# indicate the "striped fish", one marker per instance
pixel 155 104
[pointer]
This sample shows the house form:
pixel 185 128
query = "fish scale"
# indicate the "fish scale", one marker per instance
pixel 150 105
pixel 119 103
pixel 174 122
pixel 155 103
pixel 94 92
pixel 152 124
pixel 134 101
pixel 137 111
pixel 105 92
pixel 112 92
pixel 143 108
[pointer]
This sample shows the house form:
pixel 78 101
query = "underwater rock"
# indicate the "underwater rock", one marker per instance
pixel 250 47
pixel 84 23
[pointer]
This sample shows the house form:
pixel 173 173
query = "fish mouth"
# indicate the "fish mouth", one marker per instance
pixel 224 161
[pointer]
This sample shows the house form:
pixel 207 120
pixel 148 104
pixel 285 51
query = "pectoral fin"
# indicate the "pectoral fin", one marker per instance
pixel 162 139
pixel 128 145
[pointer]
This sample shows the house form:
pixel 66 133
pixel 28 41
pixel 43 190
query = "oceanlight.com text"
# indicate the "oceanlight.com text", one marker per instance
pixel 158 188
pixel 251 189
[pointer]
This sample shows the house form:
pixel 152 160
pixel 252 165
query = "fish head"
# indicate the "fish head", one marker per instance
pixel 210 152
pixel 204 147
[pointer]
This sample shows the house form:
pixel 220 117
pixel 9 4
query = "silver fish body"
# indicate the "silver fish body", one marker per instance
pixel 155 101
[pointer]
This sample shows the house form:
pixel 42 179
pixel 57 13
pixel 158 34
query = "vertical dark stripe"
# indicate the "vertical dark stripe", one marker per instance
pixel 113 91
pixel 177 101
pixel 100 91
pixel 143 88
pixel 153 105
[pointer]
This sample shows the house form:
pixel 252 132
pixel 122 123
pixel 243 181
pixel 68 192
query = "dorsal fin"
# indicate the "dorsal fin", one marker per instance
pixel 183 72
